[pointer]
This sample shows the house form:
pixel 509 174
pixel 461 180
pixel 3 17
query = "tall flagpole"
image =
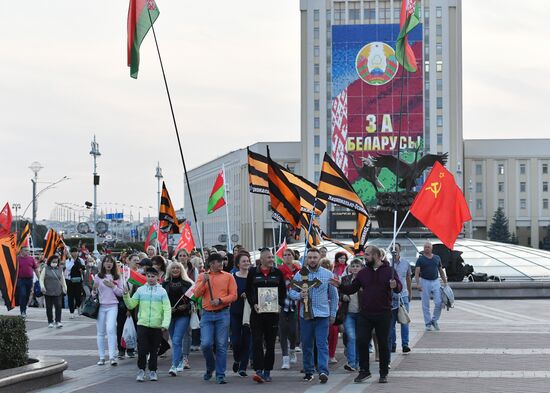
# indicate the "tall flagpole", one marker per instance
pixel 251 203
pixel 229 248
pixel 177 136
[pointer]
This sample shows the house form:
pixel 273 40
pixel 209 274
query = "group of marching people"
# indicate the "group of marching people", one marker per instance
pixel 243 302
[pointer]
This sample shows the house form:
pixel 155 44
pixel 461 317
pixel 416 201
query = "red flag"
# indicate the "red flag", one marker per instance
pixel 5 220
pixel 186 239
pixel 163 240
pixel 441 205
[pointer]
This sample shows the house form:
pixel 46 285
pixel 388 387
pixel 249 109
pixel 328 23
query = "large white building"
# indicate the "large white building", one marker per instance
pixel 213 226
pixel 441 71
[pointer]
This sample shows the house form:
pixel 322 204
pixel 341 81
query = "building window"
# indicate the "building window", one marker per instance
pixel 439 102
pixel 500 169
pixel 316 159
pixel 479 204
pixel 500 186
pixel 316 87
pixel 479 170
pixel 439 65
pixel 438 49
pixel 439 84
pixel 523 204
pixel 316 105
pixel 339 12
pixel 316 123
pixel 438 12
pixel 316 69
pixel 545 169
pixel 317 176
pixel 545 204
pixel 427 66
pixel 522 168
pixel 316 51
pixel 544 186
pixel 354 12
pixel 522 186
pixel 316 15
pixel 439 121
pixel 438 30
pixel 501 203
pixel 316 140
pixel 439 139
pixel 369 14
pixel 316 33
pixel 479 187
pixel 426 15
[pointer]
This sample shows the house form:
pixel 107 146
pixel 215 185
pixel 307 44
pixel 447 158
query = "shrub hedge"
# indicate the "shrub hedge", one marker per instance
pixel 14 343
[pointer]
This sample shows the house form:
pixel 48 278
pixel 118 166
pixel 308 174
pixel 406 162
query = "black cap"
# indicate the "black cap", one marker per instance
pixel 145 262
pixel 151 270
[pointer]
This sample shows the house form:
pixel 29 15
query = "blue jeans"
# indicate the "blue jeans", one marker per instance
pixel 350 326
pixel 431 287
pixel 215 329
pixel 404 328
pixel 316 328
pixel 240 339
pixel 24 287
pixel 178 327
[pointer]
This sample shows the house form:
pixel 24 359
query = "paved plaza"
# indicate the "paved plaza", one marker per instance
pixel 483 346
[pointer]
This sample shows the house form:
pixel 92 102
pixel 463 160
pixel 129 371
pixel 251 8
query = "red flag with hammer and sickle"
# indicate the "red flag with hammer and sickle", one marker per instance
pixel 441 205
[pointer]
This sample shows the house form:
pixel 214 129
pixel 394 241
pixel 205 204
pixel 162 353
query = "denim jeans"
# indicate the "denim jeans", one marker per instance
pixel 178 328
pixel 404 328
pixel 240 339
pixel 431 288
pixel 350 326
pixel 24 287
pixel 315 329
pixel 215 329
pixel 106 325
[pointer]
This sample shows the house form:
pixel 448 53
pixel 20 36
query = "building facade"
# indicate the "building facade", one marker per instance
pixel 514 175
pixel 328 29
pixel 247 211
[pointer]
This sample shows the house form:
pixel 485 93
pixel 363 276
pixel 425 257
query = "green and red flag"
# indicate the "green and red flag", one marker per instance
pixel 280 252
pixel 137 279
pixel 217 195
pixel 409 19
pixel 152 236
pixel 141 16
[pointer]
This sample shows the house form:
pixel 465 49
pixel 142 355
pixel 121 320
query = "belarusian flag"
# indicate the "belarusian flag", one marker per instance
pixel 280 252
pixel 216 199
pixel 141 16
pixel 410 17
pixel 137 279
pixel 152 236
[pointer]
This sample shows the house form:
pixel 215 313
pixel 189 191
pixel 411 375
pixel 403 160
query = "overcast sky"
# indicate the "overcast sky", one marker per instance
pixel 234 72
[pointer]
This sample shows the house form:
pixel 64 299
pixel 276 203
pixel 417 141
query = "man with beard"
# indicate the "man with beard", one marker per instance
pixel 264 325
pixel 377 280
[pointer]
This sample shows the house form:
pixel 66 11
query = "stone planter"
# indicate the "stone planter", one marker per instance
pixel 38 373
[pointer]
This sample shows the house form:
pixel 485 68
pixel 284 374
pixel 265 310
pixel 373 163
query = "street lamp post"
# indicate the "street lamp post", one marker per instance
pixel 158 175
pixel 35 167
pixel 95 152
pixel 16 207
pixel 471 223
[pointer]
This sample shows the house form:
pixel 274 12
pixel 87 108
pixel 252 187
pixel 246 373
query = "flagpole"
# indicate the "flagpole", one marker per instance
pixel 392 244
pixel 177 133
pixel 229 249
pixel 251 203
pixel 309 229
pixel 280 232
pixel 273 234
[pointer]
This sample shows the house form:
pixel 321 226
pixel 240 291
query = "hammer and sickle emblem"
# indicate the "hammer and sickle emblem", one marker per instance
pixel 435 188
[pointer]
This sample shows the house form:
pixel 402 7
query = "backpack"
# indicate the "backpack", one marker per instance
pixel 447 297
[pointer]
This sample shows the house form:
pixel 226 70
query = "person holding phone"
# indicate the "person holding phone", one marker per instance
pixel 107 285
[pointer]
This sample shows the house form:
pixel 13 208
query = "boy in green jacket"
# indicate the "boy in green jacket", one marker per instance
pixel 153 317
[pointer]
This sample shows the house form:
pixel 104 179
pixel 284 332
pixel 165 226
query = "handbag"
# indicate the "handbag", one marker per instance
pixel 402 315
pixel 90 308
pixel 194 322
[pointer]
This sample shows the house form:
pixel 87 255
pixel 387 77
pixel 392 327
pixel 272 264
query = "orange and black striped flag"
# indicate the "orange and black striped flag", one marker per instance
pixel 307 191
pixel 168 222
pixel 8 269
pixel 53 242
pixel 314 234
pixel 285 200
pixel 257 173
pixel 23 236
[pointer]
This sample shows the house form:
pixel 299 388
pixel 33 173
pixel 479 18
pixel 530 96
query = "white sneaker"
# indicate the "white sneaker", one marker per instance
pixel 286 363
pixel 333 361
pixel 179 369
pixel 140 376
pixel 173 371
pixel 153 376
pixel 50 325
pixel 298 349
pixel 429 328
pixel 435 325
pixel 58 325
pixel 293 357
pixel 71 316
pixel 101 362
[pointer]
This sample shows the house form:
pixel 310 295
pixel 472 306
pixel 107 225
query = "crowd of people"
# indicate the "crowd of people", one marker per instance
pixel 219 301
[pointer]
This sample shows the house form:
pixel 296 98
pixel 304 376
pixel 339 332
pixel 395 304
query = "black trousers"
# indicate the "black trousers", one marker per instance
pixel 381 325
pixel 51 302
pixel 264 331
pixel 287 331
pixel 74 294
pixel 148 343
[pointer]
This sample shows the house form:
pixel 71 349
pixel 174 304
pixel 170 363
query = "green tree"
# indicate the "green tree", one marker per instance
pixel 498 230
